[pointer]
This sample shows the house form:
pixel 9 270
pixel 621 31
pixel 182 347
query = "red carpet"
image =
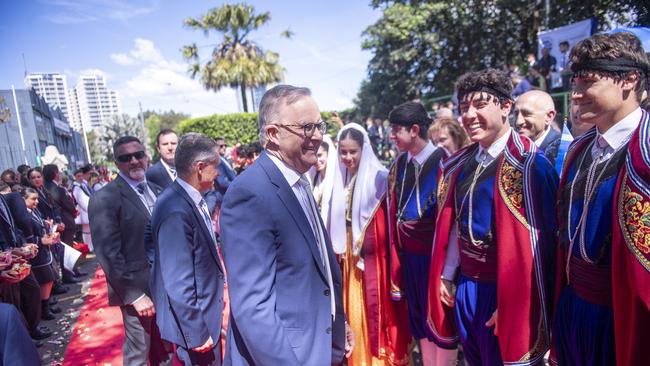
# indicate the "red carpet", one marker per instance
pixel 98 335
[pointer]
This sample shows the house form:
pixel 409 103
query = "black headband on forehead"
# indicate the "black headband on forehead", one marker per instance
pixel 501 94
pixel 610 65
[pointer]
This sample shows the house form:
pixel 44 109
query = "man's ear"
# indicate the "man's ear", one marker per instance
pixel 415 129
pixel 272 132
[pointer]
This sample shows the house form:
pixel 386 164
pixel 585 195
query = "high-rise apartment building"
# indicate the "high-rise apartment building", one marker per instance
pixel 53 87
pixel 93 102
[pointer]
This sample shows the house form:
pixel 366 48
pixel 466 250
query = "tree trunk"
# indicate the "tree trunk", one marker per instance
pixel 243 97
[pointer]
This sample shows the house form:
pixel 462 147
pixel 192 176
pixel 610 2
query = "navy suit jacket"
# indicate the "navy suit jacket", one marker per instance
pixel 279 296
pixel 226 175
pixel 551 144
pixel 187 280
pixel 158 175
pixel 16 346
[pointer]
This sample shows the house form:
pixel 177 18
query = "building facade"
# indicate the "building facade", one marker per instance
pixel 41 125
pixel 94 102
pixel 53 87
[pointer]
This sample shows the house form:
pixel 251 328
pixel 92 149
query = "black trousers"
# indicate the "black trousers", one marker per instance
pixel 26 297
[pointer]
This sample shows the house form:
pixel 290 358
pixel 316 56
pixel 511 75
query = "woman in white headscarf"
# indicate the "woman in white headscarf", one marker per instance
pixel 322 175
pixel 358 227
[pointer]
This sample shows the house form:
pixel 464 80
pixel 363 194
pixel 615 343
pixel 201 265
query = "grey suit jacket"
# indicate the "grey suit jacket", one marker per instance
pixel 118 219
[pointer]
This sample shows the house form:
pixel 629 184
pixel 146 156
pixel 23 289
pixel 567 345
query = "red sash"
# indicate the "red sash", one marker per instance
pixel 631 251
pixel 523 321
pixel 388 330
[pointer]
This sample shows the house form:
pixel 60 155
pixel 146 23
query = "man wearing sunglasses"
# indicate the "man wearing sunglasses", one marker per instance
pixel 118 215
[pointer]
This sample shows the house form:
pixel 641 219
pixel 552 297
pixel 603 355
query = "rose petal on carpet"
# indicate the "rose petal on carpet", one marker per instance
pixel 98 335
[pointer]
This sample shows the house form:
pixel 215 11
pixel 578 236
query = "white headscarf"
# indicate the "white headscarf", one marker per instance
pixel 326 182
pixel 369 189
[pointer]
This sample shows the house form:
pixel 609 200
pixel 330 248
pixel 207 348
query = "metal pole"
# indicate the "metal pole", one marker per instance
pixel 20 125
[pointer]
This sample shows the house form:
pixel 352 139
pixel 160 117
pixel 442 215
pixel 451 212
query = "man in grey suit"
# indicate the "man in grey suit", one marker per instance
pixel 284 284
pixel 119 214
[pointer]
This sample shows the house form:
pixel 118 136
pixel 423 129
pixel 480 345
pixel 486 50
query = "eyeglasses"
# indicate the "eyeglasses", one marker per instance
pixel 125 158
pixel 308 129
pixel 223 145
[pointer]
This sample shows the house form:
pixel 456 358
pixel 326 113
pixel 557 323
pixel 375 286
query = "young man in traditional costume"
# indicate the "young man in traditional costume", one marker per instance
pixel 413 182
pixel 602 314
pixel 491 271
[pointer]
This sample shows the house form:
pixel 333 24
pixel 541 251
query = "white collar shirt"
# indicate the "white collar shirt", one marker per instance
pixel 423 155
pixel 540 140
pixel 617 135
pixel 494 150
pixel 168 169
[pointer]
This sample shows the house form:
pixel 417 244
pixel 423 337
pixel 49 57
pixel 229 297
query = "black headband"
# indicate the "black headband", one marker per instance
pixel 610 65
pixel 501 94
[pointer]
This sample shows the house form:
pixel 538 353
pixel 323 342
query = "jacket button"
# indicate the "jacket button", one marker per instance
pixel 326 292
pixel 328 331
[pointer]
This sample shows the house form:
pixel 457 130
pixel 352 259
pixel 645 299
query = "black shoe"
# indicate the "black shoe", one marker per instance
pixel 46 313
pixel 70 280
pixel 53 300
pixel 44 328
pixel 39 334
pixel 55 309
pixel 80 273
pixel 38 344
pixel 59 289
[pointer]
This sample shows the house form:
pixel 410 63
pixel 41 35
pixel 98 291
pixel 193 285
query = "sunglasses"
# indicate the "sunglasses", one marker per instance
pixel 125 158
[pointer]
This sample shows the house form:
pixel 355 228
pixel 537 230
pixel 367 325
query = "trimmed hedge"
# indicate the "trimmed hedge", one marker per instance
pixel 235 127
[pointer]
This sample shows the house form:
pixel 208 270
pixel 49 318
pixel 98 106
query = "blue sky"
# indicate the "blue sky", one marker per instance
pixel 136 44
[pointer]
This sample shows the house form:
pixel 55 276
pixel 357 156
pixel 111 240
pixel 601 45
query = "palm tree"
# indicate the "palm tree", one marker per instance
pixel 236 61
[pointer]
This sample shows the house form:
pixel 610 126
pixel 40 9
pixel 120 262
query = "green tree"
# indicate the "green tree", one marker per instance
pixel 236 61
pixel 421 47
pixel 113 128
pixel 156 121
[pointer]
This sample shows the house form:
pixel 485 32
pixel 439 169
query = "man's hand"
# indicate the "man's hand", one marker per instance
pixel 447 292
pixel 205 347
pixel 60 227
pixel 349 340
pixel 493 321
pixel 144 307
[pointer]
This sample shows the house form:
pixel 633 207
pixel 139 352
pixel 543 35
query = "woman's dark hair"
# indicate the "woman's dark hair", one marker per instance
pixel 352 134
pixel 30 171
pixel 27 191
pixel 409 114
pixel 325 145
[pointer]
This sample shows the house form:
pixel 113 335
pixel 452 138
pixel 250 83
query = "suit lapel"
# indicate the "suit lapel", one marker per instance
pixel 199 217
pixel 288 198
pixel 129 194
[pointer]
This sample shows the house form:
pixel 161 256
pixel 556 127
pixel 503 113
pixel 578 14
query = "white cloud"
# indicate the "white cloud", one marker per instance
pixel 122 59
pixel 163 84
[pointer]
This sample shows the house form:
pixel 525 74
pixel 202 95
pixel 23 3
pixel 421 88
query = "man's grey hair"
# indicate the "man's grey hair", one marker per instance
pixel 271 102
pixel 193 147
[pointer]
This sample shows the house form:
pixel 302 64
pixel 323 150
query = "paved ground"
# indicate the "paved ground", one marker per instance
pixel 53 348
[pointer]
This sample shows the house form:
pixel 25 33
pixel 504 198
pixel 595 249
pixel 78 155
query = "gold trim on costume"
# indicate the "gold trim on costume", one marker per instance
pixel 634 219
pixel 511 188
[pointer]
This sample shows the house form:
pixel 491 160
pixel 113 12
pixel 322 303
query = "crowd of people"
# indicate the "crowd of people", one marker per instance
pixel 486 227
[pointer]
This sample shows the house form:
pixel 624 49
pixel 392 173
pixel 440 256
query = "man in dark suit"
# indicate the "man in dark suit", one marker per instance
pixel 62 200
pixel 285 284
pixel 226 175
pixel 118 215
pixel 163 172
pixel 534 111
pixel 187 274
